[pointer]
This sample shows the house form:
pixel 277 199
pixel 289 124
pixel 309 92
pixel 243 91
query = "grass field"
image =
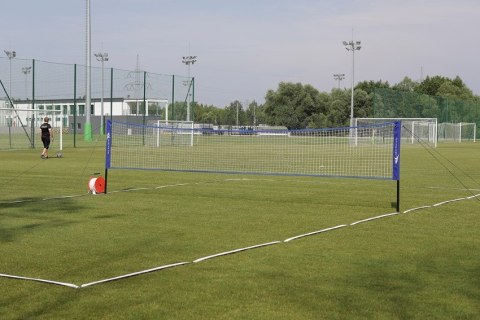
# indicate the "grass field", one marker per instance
pixel 422 264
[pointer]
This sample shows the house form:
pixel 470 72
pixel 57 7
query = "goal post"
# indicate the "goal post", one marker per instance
pixel 173 132
pixel 457 132
pixel 415 130
pixel 310 152
pixel 20 128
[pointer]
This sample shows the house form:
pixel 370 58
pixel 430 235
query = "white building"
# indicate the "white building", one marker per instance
pixel 70 115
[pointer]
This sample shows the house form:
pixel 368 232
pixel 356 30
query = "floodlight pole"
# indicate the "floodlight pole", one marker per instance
pixel 339 77
pixel 87 133
pixel 188 60
pixel 352 46
pixel 102 57
pixel 10 56
pixel 26 71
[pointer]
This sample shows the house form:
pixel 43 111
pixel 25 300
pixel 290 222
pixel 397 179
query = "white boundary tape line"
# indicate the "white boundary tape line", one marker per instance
pixel 172 185
pixel 414 209
pixel 133 274
pixel 235 251
pixel 448 201
pixel 314 232
pixel 374 218
pixel 211 256
pixel 65 284
pixel 63 197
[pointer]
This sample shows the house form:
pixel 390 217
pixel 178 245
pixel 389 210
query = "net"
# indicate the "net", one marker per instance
pixel 457 132
pixel 313 152
pixel 414 130
pixel 172 133
pixel 19 128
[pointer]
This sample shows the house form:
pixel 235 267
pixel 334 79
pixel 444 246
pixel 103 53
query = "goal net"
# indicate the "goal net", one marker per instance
pixel 457 132
pixel 20 128
pixel 172 133
pixel 414 130
pixel 311 152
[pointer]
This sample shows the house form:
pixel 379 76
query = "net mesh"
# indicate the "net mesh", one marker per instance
pixel 20 128
pixel 414 130
pixel 457 132
pixel 315 152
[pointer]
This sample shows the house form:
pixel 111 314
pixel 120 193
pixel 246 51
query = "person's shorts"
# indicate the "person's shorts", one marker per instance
pixel 46 142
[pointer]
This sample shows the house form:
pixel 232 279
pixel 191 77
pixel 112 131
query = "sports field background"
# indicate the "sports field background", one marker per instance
pixel 420 264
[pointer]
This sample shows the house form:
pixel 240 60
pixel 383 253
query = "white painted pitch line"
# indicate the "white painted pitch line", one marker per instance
pixel 235 251
pixel 448 201
pixel 172 185
pixel 65 284
pixel 63 197
pixel 135 189
pixel 133 274
pixel 418 208
pixel 374 218
pixel 474 196
pixel 314 232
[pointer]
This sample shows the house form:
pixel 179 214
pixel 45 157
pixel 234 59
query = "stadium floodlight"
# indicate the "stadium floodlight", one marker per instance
pixel 339 77
pixel 10 56
pixel 102 57
pixel 352 46
pixel 189 60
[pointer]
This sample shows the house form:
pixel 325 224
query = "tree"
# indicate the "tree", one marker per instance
pixel 229 115
pixel 254 114
pixel 406 84
pixel 370 86
pixel 291 105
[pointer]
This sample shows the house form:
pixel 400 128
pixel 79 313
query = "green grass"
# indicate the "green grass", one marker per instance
pixel 418 265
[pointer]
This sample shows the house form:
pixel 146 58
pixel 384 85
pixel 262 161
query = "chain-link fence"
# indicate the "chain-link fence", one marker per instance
pixel 390 103
pixel 135 94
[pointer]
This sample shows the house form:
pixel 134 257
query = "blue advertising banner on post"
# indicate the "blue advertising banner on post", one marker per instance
pixel 397 133
pixel 108 146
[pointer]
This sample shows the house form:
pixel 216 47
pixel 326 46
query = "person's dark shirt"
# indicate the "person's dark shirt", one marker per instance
pixel 45 127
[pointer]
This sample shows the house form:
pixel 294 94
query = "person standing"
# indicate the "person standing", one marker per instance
pixel 47 134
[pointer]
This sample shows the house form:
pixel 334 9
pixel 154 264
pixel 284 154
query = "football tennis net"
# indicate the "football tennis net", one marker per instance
pixel 373 153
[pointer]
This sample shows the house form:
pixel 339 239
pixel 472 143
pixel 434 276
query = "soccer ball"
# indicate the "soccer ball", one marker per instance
pixel 59 155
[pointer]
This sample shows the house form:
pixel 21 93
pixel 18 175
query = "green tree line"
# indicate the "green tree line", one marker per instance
pixel 297 106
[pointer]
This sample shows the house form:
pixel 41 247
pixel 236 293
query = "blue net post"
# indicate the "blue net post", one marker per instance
pixel 108 151
pixel 397 133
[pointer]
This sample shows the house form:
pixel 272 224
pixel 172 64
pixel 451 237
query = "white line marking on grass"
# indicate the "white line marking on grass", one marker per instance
pixel 235 251
pixel 461 189
pixel 135 189
pixel 314 232
pixel 374 218
pixel 63 197
pixel 133 274
pixel 65 284
pixel 418 208
pixel 448 201
pixel 172 185
pixel 475 196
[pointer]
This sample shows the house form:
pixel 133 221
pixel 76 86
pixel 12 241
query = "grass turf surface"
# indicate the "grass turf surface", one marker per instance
pixel 422 264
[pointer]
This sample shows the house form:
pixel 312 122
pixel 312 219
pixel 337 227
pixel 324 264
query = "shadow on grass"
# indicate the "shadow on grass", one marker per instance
pixel 28 214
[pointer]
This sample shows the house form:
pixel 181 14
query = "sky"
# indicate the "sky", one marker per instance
pixel 246 47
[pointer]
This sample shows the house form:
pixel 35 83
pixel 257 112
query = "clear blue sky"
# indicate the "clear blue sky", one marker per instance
pixel 246 47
